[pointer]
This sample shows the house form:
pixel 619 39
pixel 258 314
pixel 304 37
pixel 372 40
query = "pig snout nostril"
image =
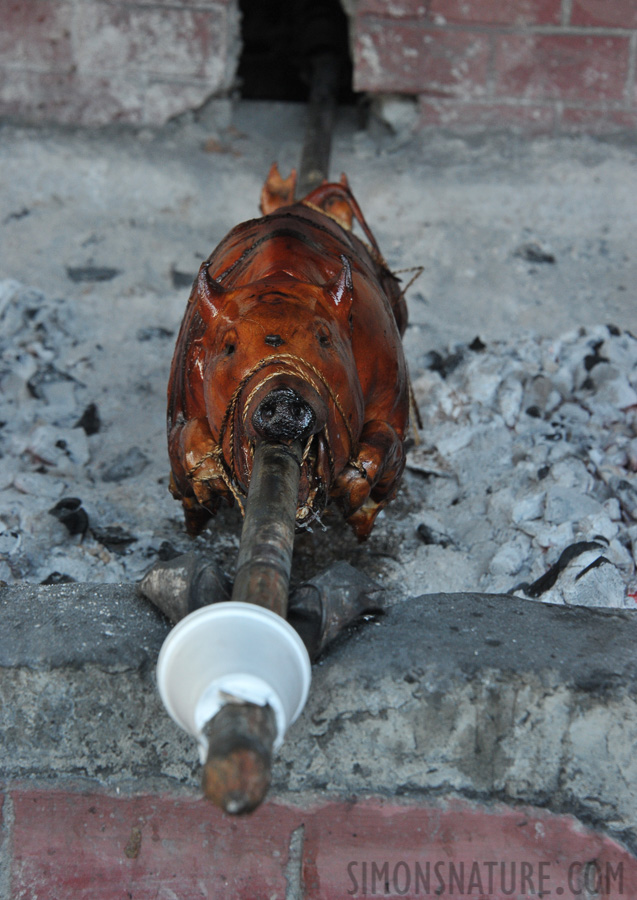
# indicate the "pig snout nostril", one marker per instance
pixel 284 416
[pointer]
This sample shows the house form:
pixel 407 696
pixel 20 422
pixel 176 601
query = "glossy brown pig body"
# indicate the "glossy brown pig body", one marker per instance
pixel 292 332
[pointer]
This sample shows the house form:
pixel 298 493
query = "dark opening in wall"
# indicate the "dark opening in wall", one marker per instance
pixel 280 38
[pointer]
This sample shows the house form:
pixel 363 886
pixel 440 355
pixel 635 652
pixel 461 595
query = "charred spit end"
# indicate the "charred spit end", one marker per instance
pixel 283 415
pixel 236 776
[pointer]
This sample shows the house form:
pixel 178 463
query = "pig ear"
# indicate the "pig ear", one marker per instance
pixel 211 294
pixel 341 288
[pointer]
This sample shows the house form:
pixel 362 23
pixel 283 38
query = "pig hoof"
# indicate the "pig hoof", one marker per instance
pixel 323 607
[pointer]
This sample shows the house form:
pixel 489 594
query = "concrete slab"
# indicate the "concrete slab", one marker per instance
pixel 477 696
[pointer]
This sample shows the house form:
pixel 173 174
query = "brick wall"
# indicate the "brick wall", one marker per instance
pixel 100 61
pixel 541 65
pixel 83 845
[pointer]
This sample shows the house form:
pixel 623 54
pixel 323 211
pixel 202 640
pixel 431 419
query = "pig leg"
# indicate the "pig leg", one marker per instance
pixel 366 487
pixel 198 478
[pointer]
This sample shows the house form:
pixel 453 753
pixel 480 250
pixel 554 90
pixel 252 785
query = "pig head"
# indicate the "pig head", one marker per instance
pixel 292 333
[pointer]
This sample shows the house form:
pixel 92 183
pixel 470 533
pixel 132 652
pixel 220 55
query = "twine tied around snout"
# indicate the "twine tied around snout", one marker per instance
pixel 297 366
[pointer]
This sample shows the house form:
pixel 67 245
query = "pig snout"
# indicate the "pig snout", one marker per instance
pixel 283 415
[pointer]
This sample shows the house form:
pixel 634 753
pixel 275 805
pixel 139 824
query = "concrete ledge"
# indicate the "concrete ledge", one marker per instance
pixel 74 625
pixel 487 697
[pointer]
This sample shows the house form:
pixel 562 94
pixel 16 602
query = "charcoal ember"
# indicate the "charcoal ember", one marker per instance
pixel 621 350
pixel 89 421
pixel 39 385
pixel 547 581
pixel 90 273
pixel 126 465
pixel 631 455
pixel 540 395
pixel 70 512
pixel 533 252
pixel 595 357
pixel 153 332
pixel 608 393
pixel 632 541
pixel 18 214
pixel 58 578
pixel 167 551
pixel 113 537
pixel 181 279
pixel 18 306
pixel 429 535
pixel 625 491
pixel 444 364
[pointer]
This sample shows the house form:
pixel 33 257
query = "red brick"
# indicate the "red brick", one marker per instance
pixel 472 117
pixel 95 847
pixel 36 96
pixel 595 121
pixel 176 42
pixel 468 12
pixel 561 67
pixel 217 5
pixel 410 58
pixel 96 99
pixel 371 849
pixel 36 33
pixel 605 13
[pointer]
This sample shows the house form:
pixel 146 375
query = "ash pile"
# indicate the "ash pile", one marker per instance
pixel 524 480
pixel 530 456
pixel 83 469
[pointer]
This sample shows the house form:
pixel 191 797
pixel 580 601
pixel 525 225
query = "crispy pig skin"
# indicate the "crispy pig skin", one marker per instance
pixel 292 299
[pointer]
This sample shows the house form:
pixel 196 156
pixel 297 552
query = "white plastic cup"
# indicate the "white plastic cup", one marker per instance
pixel 232 651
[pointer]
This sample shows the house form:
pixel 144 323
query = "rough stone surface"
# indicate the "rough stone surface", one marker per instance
pixel 95 63
pixel 534 66
pixel 482 696
pixel 78 625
